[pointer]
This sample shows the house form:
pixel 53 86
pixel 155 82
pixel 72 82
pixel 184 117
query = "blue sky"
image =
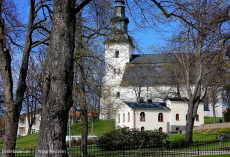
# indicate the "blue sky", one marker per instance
pixel 147 39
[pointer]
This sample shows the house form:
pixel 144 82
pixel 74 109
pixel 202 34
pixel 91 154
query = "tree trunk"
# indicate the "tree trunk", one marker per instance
pixel 11 118
pixel 29 129
pixel 84 134
pixel 214 113
pixel 189 127
pixel 57 83
pixel 13 108
pixel 92 127
pixel 191 115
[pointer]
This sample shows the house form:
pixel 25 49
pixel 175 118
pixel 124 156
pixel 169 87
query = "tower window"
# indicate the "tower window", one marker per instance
pixel 117 54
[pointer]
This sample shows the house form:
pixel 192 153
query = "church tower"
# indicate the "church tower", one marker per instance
pixel 118 51
pixel 118 46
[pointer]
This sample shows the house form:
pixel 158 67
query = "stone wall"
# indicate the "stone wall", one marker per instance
pixel 216 125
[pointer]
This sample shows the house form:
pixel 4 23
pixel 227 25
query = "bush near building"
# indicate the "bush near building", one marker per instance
pixel 131 138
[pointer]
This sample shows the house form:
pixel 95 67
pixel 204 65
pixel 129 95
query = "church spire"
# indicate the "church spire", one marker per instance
pixel 119 32
pixel 119 21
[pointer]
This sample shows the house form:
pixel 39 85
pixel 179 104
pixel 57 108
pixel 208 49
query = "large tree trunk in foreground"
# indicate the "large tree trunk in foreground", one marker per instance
pixel 58 79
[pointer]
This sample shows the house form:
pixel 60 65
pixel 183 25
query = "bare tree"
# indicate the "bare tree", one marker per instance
pixel 13 104
pixel 32 102
pixel 195 47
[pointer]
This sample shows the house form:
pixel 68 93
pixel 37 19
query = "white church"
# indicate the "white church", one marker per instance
pixel 132 92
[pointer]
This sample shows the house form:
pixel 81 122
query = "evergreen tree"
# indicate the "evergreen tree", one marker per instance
pixel 227 115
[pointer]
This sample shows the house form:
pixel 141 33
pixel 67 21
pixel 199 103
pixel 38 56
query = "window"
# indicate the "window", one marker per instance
pixel 142 129
pixel 21 121
pixel 117 54
pixel 160 117
pixel 123 117
pixel 177 117
pixel 197 117
pixel 118 95
pixel 114 71
pixel 142 116
pixel 128 117
pixel 118 118
pixel 177 129
pixel 32 131
pixel 160 129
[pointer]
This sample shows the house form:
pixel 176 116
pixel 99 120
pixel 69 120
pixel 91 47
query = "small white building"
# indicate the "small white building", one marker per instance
pixel 167 117
pixel 23 124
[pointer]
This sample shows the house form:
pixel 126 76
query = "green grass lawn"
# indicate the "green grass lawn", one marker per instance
pixel 208 120
pixel 100 127
pixel 196 137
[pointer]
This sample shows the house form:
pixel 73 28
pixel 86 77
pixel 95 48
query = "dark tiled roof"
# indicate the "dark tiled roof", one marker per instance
pixel 151 58
pixel 148 106
pixel 147 69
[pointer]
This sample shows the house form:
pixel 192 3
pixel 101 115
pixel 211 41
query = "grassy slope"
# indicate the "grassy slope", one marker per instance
pixel 100 127
pixel 208 120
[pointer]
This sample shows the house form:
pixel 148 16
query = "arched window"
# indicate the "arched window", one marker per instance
pixel 118 118
pixel 128 117
pixel 160 117
pixel 142 116
pixel 160 129
pixel 117 54
pixel 197 117
pixel 177 117
pixel 123 117
pixel 142 129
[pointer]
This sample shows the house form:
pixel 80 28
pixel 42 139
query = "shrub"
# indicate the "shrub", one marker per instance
pixel 224 130
pixel 227 115
pixel 117 139
pixel 178 143
pixel 78 142
pixel 198 131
